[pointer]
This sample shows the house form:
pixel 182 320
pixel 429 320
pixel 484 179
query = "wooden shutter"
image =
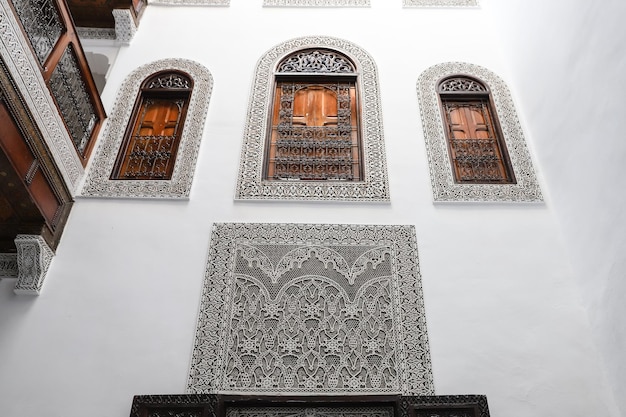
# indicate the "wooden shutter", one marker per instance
pixel 314 132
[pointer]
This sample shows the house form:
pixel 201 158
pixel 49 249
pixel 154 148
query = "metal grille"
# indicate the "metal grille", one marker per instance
pixel 476 159
pixel 42 24
pixel 315 152
pixel 149 156
pixel 70 92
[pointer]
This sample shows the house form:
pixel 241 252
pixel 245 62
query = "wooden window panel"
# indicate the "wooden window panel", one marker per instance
pixel 314 132
pixel 475 145
pixel 151 144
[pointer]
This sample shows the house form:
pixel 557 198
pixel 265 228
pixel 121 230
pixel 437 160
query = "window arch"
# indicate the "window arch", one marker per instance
pixel 336 151
pixel 451 92
pixel 134 157
pixel 477 151
pixel 153 134
pixel 314 129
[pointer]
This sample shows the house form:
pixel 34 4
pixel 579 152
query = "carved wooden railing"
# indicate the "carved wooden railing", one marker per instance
pixel 210 405
pixel 48 26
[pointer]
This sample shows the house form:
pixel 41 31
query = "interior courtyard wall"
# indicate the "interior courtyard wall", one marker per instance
pixel 573 109
pixel 117 313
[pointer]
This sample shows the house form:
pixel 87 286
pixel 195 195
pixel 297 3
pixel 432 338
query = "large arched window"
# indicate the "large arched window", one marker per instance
pixel 477 151
pixel 314 130
pixel 474 140
pixel 150 144
pixel 152 138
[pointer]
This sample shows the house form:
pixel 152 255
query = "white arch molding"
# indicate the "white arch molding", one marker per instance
pixel 98 183
pixel 373 188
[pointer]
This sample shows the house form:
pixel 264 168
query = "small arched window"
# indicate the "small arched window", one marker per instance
pixel 152 138
pixel 314 129
pixel 475 143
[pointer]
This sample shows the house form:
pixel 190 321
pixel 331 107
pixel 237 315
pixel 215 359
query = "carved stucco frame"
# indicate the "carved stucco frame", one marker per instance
pixel 316 3
pixel 98 184
pixel 374 187
pixel 25 71
pixel 440 3
pixel 191 2
pixel 444 187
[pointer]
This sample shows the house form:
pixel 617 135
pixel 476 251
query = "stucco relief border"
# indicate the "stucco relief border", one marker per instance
pixel 440 3
pixel 252 186
pixel 24 70
pixel 97 182
pixel 208 357
pixel 444 187
pixel 316 3
pixel 191 2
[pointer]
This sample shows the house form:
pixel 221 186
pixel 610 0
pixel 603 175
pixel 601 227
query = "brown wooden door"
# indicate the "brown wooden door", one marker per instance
pixel 150 151
pixel 474 144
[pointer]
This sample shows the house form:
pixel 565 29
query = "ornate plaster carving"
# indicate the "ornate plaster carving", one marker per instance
pixel 191 2
pixel 24 70
pixel 8 265
pixel 311 308
pixel 95 33
pixel 125 26
pixel 444 3
pixel 33 260
pixel 98 184
pixel 318 3
pixel 252 186
pixel 444 187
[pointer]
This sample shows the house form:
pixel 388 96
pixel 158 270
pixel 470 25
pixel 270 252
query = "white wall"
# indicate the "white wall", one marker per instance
pixel 567 61
pixel 118 309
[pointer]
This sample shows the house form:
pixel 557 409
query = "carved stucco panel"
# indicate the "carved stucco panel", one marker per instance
pixel 98 184
pixel 311 308
pixel 440 3
pixel 444 187
pixel 252 186
pixel 317 3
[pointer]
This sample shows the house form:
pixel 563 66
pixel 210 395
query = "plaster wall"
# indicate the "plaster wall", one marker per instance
pixel 118 309
pixel 567 65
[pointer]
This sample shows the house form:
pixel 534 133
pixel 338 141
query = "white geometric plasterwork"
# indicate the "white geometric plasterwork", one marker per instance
pixel 98 184
pixel 317 3
pixel 23 68
pixel 444 186
pixel 311 308
pixel 96 33
pixel 8 265
pixel 373 187
pixel 191 2
pixel 33 260
pixel 125 26
pixel 440 3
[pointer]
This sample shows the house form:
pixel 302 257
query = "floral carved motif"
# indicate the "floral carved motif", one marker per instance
pixel 311 308
pixel 526 189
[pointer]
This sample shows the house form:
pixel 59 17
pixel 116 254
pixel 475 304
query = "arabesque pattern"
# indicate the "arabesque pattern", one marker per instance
pixel 311 308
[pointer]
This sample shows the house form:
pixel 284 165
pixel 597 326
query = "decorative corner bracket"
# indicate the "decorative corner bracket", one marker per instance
pixel 33 260
pixel 125 26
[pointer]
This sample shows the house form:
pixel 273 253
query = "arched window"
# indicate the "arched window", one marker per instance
pixel 477 151
pixel 150 144
pixel 474 140
pixel 152 138
pixel 314 130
